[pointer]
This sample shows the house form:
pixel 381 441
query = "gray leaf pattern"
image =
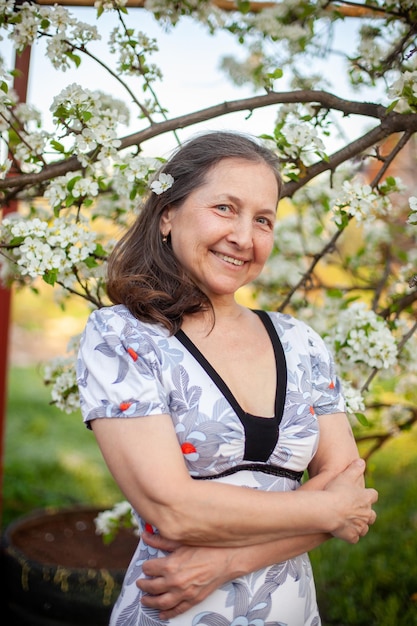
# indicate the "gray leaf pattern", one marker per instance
pixel 153 373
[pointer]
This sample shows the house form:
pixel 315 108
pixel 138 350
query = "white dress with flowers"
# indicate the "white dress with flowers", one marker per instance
pixel 127 368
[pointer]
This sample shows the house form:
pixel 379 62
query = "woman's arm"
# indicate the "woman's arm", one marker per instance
pixel 337 449
pixel 146 460
pixel 189 574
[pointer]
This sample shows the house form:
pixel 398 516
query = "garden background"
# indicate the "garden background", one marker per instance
pixel 50 458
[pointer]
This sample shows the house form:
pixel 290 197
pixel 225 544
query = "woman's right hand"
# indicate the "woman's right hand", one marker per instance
pixel 353 503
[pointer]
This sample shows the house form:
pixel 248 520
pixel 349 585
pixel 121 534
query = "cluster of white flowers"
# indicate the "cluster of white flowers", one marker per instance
pixel 49 248
pixel 355 402
pixel 93 119
pixel 412 218
pixel 60 374
pixel 361 202
pixel 57 22
pixel 108 5
pixel 130 49
pixel 404 92
pixel 108 522
pixel 75 185
pixel 361 336
pixel 296 141
pixel 168 12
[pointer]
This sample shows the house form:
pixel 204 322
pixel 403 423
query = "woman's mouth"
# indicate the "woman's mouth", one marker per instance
pixel 229 259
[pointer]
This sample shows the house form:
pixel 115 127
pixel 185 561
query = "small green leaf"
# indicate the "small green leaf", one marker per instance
pixel 278 73
pixel 57 146
pixel 362 419
pixel 71 183
pixel 50 277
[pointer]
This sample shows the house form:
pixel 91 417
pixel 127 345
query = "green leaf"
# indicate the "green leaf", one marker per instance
pixel 99 251
pixel 16 241
pixel 74 58
pixel 362 419
pixel 334 293
pixel 57 146
pixel 243 6
pixel 278 73
pixel 50 277
pixel 71 183
pixel 90 262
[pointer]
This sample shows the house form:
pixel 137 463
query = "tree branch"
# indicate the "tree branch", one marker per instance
pixel 391 122
pixel 347 9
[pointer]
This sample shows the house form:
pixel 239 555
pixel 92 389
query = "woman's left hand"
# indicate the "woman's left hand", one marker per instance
pixel 184 578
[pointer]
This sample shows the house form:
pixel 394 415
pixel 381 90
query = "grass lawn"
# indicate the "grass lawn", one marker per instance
pixel 52 459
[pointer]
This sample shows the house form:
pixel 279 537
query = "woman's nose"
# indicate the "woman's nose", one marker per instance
pixel 242 233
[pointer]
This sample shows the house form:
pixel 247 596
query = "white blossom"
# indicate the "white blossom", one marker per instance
pixel 361 202
pixel 164 182
pixel 5 168
pixel 412 218
pixel 360 336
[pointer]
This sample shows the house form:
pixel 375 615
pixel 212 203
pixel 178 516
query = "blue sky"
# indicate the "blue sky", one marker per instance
pixel 189 58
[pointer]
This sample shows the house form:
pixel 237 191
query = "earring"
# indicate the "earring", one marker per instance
pixel 164 238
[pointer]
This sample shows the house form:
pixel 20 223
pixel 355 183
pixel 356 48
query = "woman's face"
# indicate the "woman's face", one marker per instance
pixel 223 233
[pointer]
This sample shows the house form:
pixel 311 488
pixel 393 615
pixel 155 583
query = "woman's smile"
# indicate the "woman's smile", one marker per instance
pixel 231 217
pixel 229 259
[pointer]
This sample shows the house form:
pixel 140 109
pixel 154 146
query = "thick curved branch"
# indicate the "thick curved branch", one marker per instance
pixel 391 122
pixel 347 9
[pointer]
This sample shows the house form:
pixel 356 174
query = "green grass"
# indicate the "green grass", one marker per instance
pixel 51 459
pixel 374 583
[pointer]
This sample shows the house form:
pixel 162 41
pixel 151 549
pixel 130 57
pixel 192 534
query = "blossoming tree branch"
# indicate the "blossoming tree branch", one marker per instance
pixel 345 258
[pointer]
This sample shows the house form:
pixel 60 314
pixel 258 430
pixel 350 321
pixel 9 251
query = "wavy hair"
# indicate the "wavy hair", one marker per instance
pixel 143 272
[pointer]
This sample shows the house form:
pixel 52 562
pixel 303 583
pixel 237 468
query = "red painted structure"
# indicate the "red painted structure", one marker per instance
pixel 20 86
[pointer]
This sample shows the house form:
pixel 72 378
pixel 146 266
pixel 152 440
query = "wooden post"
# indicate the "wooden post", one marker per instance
pixel 20 85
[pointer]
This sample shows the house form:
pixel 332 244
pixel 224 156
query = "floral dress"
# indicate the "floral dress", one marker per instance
pixel 127 368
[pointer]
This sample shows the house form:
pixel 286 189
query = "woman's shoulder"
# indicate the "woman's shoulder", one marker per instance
pixel 117 318
pixel 287 325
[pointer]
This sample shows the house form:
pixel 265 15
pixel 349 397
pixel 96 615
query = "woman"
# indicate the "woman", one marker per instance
pixel 210 397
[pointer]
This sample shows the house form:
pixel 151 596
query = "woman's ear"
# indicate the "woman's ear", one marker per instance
pixel 165 221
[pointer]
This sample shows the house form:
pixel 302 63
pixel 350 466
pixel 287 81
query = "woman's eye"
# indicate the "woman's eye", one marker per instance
pixel 264 221
pixel 223 208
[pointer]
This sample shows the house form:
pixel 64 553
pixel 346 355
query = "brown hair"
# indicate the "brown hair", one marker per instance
pixel 143 272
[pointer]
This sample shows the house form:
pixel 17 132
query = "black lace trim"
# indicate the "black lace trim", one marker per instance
pixel 256 467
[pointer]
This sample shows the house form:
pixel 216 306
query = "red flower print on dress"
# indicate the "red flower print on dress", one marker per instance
pixel 123 406
pixel 133 354
pixel 188 448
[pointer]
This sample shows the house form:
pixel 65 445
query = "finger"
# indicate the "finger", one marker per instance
pixel 356 469
pixel 158 542
pixel 178 610
pixel 152 586
pixel 163 602
pixel 155 567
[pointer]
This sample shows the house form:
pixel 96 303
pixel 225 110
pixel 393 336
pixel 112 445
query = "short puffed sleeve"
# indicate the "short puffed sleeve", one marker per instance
pixel 119 367
pixel 327 395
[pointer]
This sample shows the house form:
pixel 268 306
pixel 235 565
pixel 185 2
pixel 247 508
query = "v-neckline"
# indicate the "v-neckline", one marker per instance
pixel 280 365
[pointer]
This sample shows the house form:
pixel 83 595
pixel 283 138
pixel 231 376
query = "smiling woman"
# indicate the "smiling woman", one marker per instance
pixel 222 235
pixel 192 396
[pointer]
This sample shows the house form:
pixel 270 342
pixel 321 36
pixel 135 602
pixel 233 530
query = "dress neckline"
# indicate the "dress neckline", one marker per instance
pixel 280 365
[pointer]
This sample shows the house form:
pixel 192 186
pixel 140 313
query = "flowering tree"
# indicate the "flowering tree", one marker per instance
pixel 345 258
